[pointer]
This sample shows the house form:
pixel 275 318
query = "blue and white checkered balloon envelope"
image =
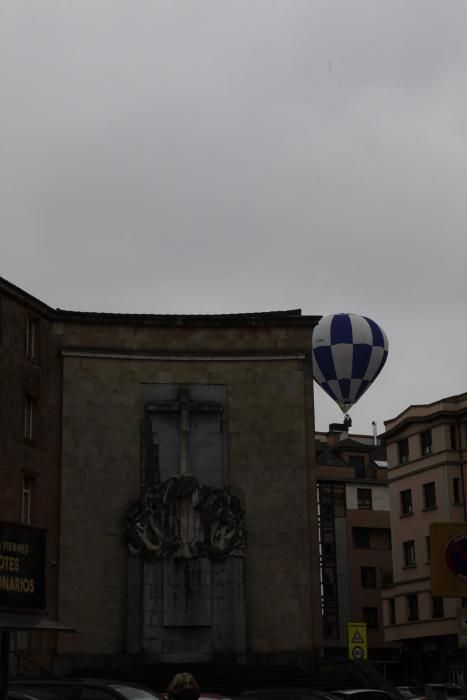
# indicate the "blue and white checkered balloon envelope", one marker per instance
pixel 349 351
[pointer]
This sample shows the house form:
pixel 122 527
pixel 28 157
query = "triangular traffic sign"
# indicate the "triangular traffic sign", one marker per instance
pixel 357 638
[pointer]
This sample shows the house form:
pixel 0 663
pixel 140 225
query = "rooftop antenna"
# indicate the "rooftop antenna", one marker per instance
pixel 375 432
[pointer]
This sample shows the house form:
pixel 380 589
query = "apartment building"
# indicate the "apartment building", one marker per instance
pixel 30 375
pixel 425 450
pixel 355 540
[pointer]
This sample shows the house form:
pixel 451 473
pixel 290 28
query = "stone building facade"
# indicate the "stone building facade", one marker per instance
pixel 217 410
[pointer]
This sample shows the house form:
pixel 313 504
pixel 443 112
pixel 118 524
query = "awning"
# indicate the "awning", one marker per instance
pixel 19 621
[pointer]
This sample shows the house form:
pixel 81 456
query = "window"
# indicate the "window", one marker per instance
pixel 409 553
pixel 32 338
pixel 29 410
pixel 453 436
pixel 425 442
pixel 429 495
pixel 370 616
pixel 329 550
pixel 392 611
pixel 406 502
pixel 427 548
pixel 437 607
pixel 403 446
pixel 329 580
pixel 26 502
pixel 456 491
pixel 23 640
pixel 361 537
pixel 412 607
pixel 364 499
pixel 368 576
pixel 331 500
pixel 330 623
pixel 358 462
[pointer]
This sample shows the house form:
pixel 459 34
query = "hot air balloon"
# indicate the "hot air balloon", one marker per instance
pixel 349 351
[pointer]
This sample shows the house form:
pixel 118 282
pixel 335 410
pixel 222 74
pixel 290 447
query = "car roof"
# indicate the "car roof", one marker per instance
pixel 112 684
pixel 324 694
pixel 288 689
pixel 74 681
pixel 19 695
pixel 353 691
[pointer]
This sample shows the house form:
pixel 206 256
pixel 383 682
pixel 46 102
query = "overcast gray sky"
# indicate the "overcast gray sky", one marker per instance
pixel 205 156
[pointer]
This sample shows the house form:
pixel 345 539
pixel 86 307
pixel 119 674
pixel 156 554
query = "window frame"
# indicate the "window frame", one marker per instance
pixel 406 509
pixel 30 410
pixel 426 442
pixel 413 611
pixel 456 491
pixel 372 624
pixel 392 611
pixel 453 436
pixel 437 607
pixel 370 583
pixel 27 498
pixel 403 451
pixel 408 548
pixel 358 463
pixel 364 502
pixel 429 489
pixel 22 641
pixel 32 338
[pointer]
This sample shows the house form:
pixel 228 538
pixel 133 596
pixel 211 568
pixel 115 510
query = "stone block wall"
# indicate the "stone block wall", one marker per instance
pixel 216 626
pixel 270 455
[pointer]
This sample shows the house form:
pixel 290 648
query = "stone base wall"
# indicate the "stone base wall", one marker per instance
pixel 180 621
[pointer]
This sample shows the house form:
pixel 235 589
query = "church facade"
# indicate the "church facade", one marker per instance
pixel 187 527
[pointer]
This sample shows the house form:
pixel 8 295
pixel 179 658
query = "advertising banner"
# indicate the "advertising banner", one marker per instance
pixel 22 567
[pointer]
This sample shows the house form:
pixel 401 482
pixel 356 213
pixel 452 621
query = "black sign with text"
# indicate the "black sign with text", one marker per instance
pixel 22 567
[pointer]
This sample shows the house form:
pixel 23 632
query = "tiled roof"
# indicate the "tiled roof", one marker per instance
pixel 329 459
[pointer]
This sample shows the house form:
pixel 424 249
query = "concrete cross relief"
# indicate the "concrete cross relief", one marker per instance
pixel 184 406
pixel 187 529
pixel 181 516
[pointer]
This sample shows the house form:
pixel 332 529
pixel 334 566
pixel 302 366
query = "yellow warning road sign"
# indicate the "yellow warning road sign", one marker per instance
pixel 357 644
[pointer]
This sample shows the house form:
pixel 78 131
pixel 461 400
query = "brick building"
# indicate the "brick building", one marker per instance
pixel 30 404
pixel 172 434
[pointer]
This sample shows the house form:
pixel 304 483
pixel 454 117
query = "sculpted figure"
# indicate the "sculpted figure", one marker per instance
pixel 224 525
pixel 180 518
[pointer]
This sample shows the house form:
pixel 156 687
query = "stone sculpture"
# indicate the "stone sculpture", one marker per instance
pixel 180 518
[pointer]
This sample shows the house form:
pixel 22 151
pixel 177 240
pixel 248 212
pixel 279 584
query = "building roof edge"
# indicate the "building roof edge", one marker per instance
pixel 288 317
